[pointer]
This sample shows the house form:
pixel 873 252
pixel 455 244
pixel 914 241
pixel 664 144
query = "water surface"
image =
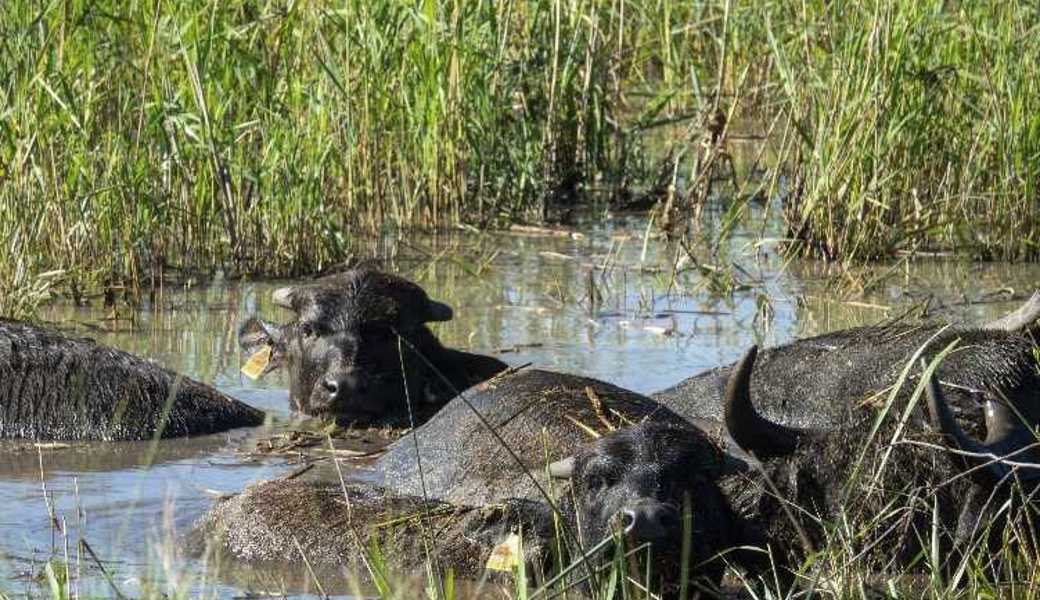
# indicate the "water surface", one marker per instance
pixel 607 303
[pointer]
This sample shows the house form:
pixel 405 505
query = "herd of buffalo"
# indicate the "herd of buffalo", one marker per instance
pixel 744 466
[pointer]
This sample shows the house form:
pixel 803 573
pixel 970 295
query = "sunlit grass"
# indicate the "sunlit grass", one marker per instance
pixel 916 127
pixel 268 136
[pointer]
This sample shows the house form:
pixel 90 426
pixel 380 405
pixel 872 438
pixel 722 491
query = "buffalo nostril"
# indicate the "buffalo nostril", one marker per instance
pixel 342 385
pixel 649 522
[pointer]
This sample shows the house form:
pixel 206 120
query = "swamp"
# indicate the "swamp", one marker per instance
pixel 633 191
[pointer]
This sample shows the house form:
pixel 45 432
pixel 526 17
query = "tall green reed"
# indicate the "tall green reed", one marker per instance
pixel 267 136
pixel 270 136
pixel 916 127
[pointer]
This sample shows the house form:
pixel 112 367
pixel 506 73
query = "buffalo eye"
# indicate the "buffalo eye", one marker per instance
pixel 306 329
pixel 599 480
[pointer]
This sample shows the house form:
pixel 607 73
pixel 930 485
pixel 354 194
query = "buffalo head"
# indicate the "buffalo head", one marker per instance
pixel 638 483
pixel 352 349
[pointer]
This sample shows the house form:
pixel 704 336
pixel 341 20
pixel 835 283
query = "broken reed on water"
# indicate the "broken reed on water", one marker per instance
pixel 266 137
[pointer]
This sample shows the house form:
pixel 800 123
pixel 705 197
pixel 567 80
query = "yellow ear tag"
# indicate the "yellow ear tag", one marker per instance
pixel 256 364
pixel 506 555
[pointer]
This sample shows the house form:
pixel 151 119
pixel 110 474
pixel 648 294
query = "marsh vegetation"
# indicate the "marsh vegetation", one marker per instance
pixel 148 146
pixel 268 137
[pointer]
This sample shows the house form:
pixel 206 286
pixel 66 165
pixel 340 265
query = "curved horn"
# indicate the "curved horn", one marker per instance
pixel 1005 434
pixel 749 430
pixel 438 311
pixel 283 297
pixel 562 469
pixel 1021 318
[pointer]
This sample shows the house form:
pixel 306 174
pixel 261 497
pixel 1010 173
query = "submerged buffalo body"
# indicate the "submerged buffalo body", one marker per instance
pixel 359 350
pixel 495 441
pixel 633 465
pixel 60 388
pixel 335 526
pixel 816 383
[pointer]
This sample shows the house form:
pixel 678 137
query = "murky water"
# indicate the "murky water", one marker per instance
pixel 605 304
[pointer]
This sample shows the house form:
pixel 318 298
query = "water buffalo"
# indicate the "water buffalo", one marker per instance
pixel 889 480
pixel 658 485
pixel 333 525
pixel 359 350
pixel 808 422
pixel 876 480
pixel 60 388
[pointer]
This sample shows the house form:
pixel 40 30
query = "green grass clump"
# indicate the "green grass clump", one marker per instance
pixel 266 136
pixel 916 127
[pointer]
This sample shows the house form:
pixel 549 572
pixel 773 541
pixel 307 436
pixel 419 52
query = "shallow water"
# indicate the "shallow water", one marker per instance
pixel 604 304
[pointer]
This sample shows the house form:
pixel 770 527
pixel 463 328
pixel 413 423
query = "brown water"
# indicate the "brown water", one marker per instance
pixel 604 304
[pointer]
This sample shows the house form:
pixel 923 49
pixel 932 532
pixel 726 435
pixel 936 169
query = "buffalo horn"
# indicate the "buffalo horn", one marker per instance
pixel 1020 319
pixel 283 297
pixel 1005 434
pixel 562 469
pixel 752 432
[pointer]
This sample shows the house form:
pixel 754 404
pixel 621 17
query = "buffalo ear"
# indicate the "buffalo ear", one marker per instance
pixel 438 311
pixel 254 334
pixel 562 469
